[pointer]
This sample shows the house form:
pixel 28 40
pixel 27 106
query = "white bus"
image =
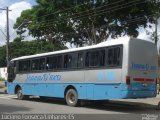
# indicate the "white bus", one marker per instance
pixel 116 69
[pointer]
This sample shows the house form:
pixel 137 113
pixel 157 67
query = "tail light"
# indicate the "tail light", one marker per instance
pixel 128 80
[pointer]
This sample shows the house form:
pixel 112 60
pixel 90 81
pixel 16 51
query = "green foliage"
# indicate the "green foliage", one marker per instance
pixel 86 21
pixel 19 48
pixel 2 79
pixel 2 56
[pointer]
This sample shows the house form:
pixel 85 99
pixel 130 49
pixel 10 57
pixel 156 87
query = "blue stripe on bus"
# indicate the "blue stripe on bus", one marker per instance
pixel 88 91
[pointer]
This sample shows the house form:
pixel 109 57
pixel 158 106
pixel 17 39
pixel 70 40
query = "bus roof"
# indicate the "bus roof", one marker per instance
pixel 112 42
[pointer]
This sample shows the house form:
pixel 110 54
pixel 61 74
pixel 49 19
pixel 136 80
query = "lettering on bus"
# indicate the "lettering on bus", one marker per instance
pixel 42 77
pixel 149 67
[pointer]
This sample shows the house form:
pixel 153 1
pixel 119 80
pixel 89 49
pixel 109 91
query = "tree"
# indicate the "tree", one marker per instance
pixel 87 21
pixel 3 56
pixel 22 48
pixel 155 7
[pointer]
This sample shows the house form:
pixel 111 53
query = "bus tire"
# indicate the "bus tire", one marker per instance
pixel 71 97
pixel 20 95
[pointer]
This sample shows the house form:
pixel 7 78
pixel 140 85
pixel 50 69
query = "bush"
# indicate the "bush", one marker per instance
pixel 2 79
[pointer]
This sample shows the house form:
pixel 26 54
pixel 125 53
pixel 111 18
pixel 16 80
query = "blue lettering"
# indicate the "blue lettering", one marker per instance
pixel 147 67
pixel 55 77
pixel 27 79
pixel 43 77
pixel 58 77
pixel 142 67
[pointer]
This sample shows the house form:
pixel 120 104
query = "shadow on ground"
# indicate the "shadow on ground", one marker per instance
pixel 126 107
pixel 12 109
pixel 115 106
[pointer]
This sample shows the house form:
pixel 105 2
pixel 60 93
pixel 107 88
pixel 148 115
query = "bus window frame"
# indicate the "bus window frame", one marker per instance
pixel 93 50
pixel 54 55
pixel 18 63
pixel 121 56
pixel 84 52
pixel 39 61
pixel 71 53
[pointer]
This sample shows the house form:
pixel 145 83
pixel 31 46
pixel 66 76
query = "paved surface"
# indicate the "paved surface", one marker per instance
pixel 2 87
pixel 131 109
pixel 126 109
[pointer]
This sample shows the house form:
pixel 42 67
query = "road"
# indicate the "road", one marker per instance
pixel 115 110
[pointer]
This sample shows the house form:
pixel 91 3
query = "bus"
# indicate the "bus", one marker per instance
pixel 115 69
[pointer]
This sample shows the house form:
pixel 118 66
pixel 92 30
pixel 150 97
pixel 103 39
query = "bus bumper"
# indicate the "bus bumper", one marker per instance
pixel 138 94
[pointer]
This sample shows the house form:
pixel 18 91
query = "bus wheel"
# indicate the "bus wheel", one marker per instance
pixel 71 97
pixel 20 95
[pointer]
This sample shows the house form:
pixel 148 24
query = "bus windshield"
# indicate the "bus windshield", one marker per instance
pixel 11 72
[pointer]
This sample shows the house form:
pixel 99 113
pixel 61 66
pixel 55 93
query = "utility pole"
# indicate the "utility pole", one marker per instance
pixel 7 46
pixel 156 29
pixel 7 37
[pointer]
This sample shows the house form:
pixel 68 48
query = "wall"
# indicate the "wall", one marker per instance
pixel 3 73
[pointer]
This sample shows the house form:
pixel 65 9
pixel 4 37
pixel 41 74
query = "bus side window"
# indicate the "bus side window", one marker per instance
pixel 49 63
pixel 95 58
pixel 113 56
pixel 42 64
pixel 68 61
pixel 69 64
pixel 54 63
pixel 59 62
pixel 24 66
pixel 65 61
pixel 118 56
pixel 110 57
pixel 87 60
pixel 101 57
pixel 80 60
pixel 35 64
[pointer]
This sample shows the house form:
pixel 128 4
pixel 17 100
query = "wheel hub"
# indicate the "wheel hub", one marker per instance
pixel 71 98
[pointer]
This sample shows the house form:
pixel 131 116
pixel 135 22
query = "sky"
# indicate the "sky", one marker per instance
pixel 17 6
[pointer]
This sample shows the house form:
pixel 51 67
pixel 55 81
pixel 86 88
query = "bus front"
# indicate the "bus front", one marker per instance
pixel 140 81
